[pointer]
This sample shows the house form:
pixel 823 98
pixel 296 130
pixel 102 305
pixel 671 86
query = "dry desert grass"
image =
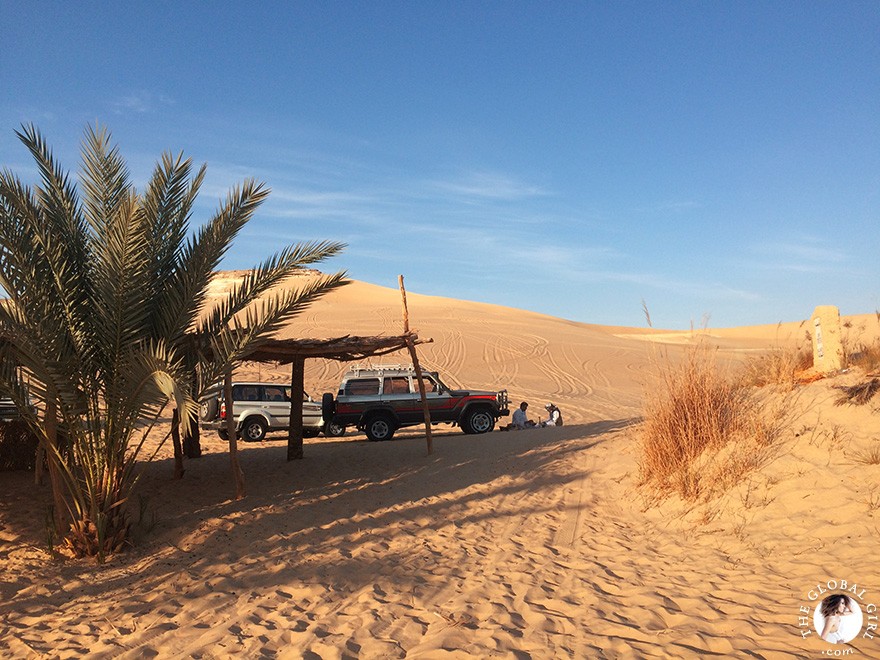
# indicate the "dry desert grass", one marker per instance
pixel 705 429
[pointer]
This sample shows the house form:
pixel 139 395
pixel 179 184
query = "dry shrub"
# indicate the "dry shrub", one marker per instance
pixel 866 356
pixel 780 366
pixel 869 456
pixel 703 430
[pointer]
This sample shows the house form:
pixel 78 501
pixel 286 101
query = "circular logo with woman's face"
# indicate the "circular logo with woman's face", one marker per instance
pixel 837 618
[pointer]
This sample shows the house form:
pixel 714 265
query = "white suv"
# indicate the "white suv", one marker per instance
pixel 258 408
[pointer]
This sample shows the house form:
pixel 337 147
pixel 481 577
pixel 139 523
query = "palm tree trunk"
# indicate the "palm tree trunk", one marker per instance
pixel 51 425
pixel 192 444
pixel 38 464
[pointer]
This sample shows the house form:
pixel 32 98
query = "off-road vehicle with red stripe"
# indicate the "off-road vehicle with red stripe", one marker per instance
pixel 378 400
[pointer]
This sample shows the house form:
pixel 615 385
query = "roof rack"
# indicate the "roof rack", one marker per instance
pixel 358 368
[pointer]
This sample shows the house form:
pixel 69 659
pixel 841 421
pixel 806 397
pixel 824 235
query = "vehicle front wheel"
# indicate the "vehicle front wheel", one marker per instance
pixel 254 429
pixel 478 420
pixel 334 430
pixel 380 427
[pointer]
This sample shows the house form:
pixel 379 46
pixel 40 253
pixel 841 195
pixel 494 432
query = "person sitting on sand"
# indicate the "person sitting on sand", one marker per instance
pixel 834 607
pixel 554 416
pixel 520 420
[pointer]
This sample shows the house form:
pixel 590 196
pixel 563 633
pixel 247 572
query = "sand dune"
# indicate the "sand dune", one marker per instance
pixel 535 544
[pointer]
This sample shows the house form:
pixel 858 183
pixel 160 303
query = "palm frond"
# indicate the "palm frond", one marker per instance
pixel 267 275
pixel 187 287
pixel 167 205
pixel 58 199
pixel 45 314
pixel 104 179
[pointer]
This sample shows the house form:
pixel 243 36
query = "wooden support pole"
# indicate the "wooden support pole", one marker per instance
pixel 295 426
pixel 237 474
pixel 175 441
pixel 415 360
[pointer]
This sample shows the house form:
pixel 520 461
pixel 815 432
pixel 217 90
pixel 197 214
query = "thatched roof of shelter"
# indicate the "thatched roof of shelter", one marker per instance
pixel 344 349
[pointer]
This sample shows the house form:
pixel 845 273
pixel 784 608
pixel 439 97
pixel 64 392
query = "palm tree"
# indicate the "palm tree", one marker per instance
pixel 104 320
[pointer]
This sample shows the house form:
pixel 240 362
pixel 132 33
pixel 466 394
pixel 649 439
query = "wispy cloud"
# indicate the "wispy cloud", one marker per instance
pixel 139 102
pixel 806 255
pixel 670 206
pixel 489 185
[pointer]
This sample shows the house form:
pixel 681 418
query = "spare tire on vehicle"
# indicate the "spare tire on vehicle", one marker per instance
pixel 209 408
pixel 328 406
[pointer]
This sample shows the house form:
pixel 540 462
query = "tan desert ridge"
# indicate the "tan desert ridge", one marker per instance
pixel 538 544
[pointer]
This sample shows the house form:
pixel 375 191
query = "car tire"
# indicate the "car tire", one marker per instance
pixel 209 408
pixel 380 427
pixel 254 429
pixel 478 420
pixel 334 430
pixel 222 434
pixel 328 406
pixel 310 432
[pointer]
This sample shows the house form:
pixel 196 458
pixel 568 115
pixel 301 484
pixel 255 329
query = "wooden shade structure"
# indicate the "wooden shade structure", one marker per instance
pixel 343 349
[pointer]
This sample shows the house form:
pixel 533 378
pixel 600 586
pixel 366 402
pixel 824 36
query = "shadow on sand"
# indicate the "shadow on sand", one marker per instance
pixel 329 500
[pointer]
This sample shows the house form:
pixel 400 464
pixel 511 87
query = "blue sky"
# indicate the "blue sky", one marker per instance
pixel 718 160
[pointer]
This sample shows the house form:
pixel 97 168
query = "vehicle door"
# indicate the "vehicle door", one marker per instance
pixel 276 403
pixel 246 400
pixel 398 394
pixel 312 415
pixel 440 403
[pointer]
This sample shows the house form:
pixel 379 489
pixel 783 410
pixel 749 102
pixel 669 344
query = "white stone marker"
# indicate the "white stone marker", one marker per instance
pixel 827 344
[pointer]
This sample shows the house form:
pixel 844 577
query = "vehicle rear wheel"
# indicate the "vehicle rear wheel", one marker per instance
pixel 478 420
pixel 310 432
pixel 254 429
pixel 223 435
pixel 334 430
pixel 380 427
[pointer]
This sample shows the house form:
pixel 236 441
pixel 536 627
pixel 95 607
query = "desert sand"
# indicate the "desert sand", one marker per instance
pixel 532 544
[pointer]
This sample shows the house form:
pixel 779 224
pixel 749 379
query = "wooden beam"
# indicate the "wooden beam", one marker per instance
pixel 295 426
pixel 410 345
